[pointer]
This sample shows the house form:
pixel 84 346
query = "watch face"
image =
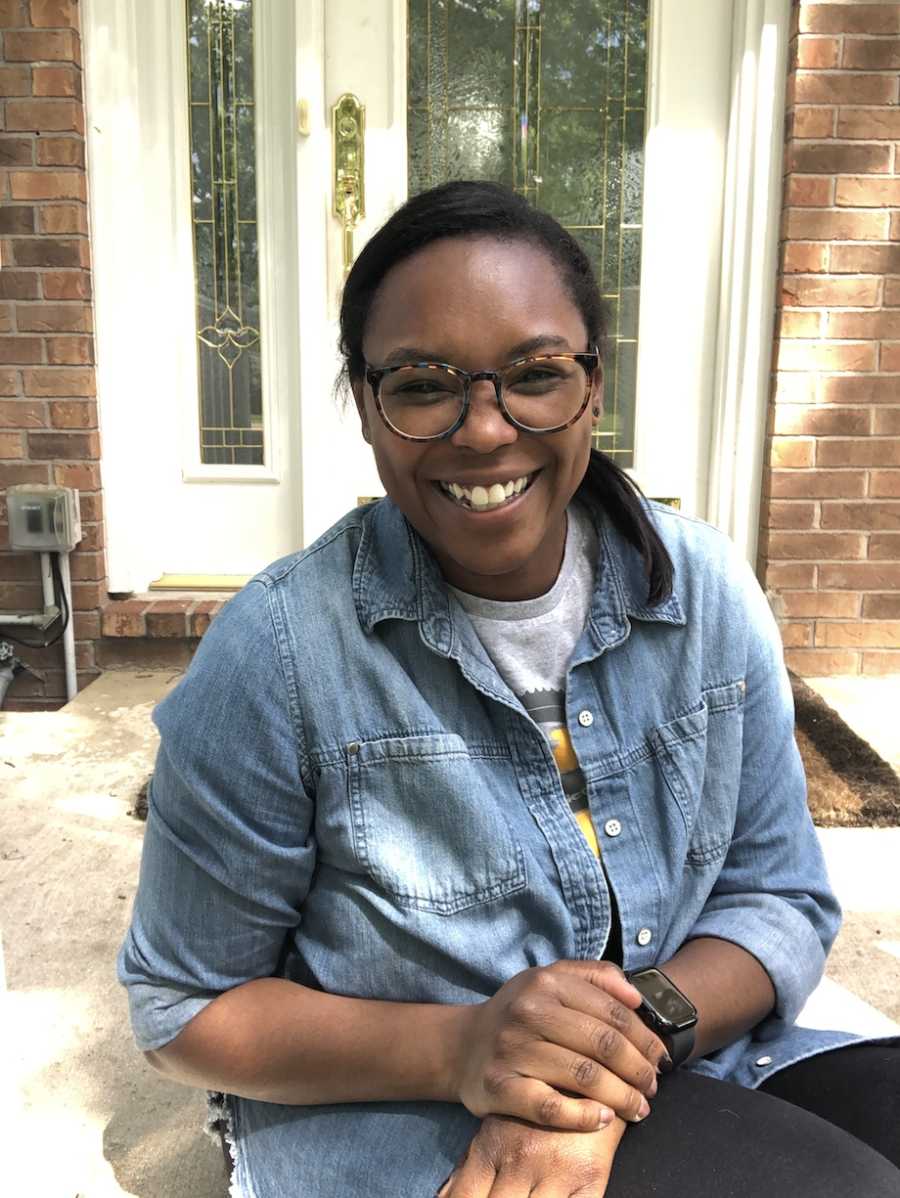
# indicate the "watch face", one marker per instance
pixel 659 993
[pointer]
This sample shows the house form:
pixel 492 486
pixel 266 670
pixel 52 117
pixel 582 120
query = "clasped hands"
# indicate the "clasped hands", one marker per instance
pixel 550 1062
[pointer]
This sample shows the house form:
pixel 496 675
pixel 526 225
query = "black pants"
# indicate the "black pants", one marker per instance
pixel 828 1127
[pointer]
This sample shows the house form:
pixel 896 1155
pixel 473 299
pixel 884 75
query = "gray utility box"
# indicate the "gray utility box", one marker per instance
pixel 43 519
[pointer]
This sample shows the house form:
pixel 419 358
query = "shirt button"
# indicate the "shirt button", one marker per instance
pixel 612 827
pixel 353 747
pixel 763 1061
pixel 644 937
pixel 585 718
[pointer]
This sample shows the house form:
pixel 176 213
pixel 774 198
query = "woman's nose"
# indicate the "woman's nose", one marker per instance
pixel 485 428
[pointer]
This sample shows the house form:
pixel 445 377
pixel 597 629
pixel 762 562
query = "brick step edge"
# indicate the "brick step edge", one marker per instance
pixel 158 618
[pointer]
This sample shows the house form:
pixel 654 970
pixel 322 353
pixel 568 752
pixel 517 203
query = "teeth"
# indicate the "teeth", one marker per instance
pixel 482 498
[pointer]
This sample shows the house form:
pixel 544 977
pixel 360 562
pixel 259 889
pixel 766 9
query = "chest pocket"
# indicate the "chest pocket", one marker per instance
pixel 426 826
pixel 700 756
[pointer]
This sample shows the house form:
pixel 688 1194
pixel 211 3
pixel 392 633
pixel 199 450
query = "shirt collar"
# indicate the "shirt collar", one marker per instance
pixel 395 576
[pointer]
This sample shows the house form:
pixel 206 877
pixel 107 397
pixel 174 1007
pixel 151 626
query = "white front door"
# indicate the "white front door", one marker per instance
pixel 591 109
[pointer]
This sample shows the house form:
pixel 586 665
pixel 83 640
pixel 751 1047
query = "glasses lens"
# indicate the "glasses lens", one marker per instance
pixel 544 392
pixel 422 401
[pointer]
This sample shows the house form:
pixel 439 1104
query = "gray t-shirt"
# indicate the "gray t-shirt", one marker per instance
pixel 531 642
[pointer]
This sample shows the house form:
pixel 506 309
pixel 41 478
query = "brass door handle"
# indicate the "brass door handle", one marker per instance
pixel 348 131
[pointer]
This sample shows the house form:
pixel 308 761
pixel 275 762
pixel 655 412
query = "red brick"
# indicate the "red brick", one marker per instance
pixel 9 382
pixel 31 46
pixel 814 663
pixel 16 151
pixel 849 18
pixel 794 388
pixel 20 349
pixel 39 251
pixel 870 54
pixel 83 477
pixel 790 514
pixel 18 218
pixel 203 614
pixel 842 389
pixel 778 575
pixel 168 618
pixel 60 151
pixel 818 52
pixel 895 216
pixel 45 116
pixel 12 474
pixel 808 191
pixel 817 87
pixel 87 625
pixel 838 158
pixel 69 447
pixel 92 537
pixel 860 576
pixel 882 634
pixel 866 451
pixel 841 225
pixel 821 422
pixel 798 635
pixel 124 617
pixel 57 81
pixel 799 257
pixel 22 413
pixel 862 192
pixel 69 414
pixel 86 596
pixel 151 654
pixel 15 81
pixel 55 14
pixel 884 547
pixel 876 325
pixel 827 355
pixel 864 259
pixel 829 291
pixel 54 318
pixel 63 218
pixel 869 124
pixel 890 356
pixel 887 422
pixel 19 597
pixel 885 484
pixel 57 381
pixel 892 293
pixel 797 323
pixel 91 507
pixel 87 567
pixel 881 607
pixel 818 484
pixel 881 663
pixel 815 546
pixel 788 451
pixel 48 185
pixel 17 284
pixel 813 122
pixel 12 445
pixel 874 514
pixel 70 351
pixel 66 285
pixel 841 604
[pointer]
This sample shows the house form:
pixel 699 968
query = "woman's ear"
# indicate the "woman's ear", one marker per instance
pixel 597 396
pixel 359 400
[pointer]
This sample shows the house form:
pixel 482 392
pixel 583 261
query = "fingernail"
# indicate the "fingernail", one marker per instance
pixel 653 1088
pixel 606 1115
pixel 643 1110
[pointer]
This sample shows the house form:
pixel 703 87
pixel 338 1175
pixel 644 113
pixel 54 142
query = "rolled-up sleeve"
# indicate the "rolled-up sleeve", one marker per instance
pixel 228 852
pixel 772 896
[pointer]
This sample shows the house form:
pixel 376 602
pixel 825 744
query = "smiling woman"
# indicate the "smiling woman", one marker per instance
pixel 480 815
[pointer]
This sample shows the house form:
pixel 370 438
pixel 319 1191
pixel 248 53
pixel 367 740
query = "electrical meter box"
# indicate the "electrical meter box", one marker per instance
pixel 43 519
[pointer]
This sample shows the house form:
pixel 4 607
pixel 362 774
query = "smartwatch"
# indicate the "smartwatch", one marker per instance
pixel 666 1011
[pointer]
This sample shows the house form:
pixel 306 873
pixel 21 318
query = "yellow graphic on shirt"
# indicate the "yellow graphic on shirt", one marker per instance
pixel 585 824
pixel 563 752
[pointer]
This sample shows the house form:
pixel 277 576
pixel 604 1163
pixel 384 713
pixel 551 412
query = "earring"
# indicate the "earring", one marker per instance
pixel 596 411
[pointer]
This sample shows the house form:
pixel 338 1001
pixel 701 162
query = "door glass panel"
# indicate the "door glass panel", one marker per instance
pixel 548 97
pixel 223 185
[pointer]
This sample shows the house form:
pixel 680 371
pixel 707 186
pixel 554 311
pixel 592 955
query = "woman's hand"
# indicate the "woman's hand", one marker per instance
pixel 520 1160
pixel 552 1034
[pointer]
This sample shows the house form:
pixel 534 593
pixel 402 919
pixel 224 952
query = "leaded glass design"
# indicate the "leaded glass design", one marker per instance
pixel 548 97
pixel 226 260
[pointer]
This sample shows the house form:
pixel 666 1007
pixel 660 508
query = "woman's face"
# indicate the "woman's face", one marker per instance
pixel 479 304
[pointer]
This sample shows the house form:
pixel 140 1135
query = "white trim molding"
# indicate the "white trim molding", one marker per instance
pixel 752 202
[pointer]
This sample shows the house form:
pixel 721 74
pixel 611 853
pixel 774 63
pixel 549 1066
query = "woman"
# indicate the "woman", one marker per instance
pixel 429 784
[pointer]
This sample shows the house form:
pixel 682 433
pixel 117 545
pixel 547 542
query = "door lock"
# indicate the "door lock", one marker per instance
pixel 348 132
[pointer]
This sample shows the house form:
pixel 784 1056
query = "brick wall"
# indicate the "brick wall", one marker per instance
pixel 830 534
pixel 48 411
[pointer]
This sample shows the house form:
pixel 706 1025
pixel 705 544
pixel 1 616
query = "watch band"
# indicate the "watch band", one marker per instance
pixel 679 1045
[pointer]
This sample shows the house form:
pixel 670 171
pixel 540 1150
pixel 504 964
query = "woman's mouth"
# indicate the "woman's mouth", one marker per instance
pixel 487 498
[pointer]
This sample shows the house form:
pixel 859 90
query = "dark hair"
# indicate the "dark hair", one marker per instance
pixel 472 209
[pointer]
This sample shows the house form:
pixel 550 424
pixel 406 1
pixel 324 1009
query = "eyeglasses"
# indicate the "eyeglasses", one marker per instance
pixel 424 401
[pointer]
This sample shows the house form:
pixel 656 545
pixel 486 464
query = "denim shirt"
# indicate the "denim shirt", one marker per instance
pixel 348 795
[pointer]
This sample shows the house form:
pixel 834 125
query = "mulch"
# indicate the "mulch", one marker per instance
pixel 849 784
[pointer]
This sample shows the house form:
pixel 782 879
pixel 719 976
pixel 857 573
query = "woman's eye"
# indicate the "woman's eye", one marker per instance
pixel 537 376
